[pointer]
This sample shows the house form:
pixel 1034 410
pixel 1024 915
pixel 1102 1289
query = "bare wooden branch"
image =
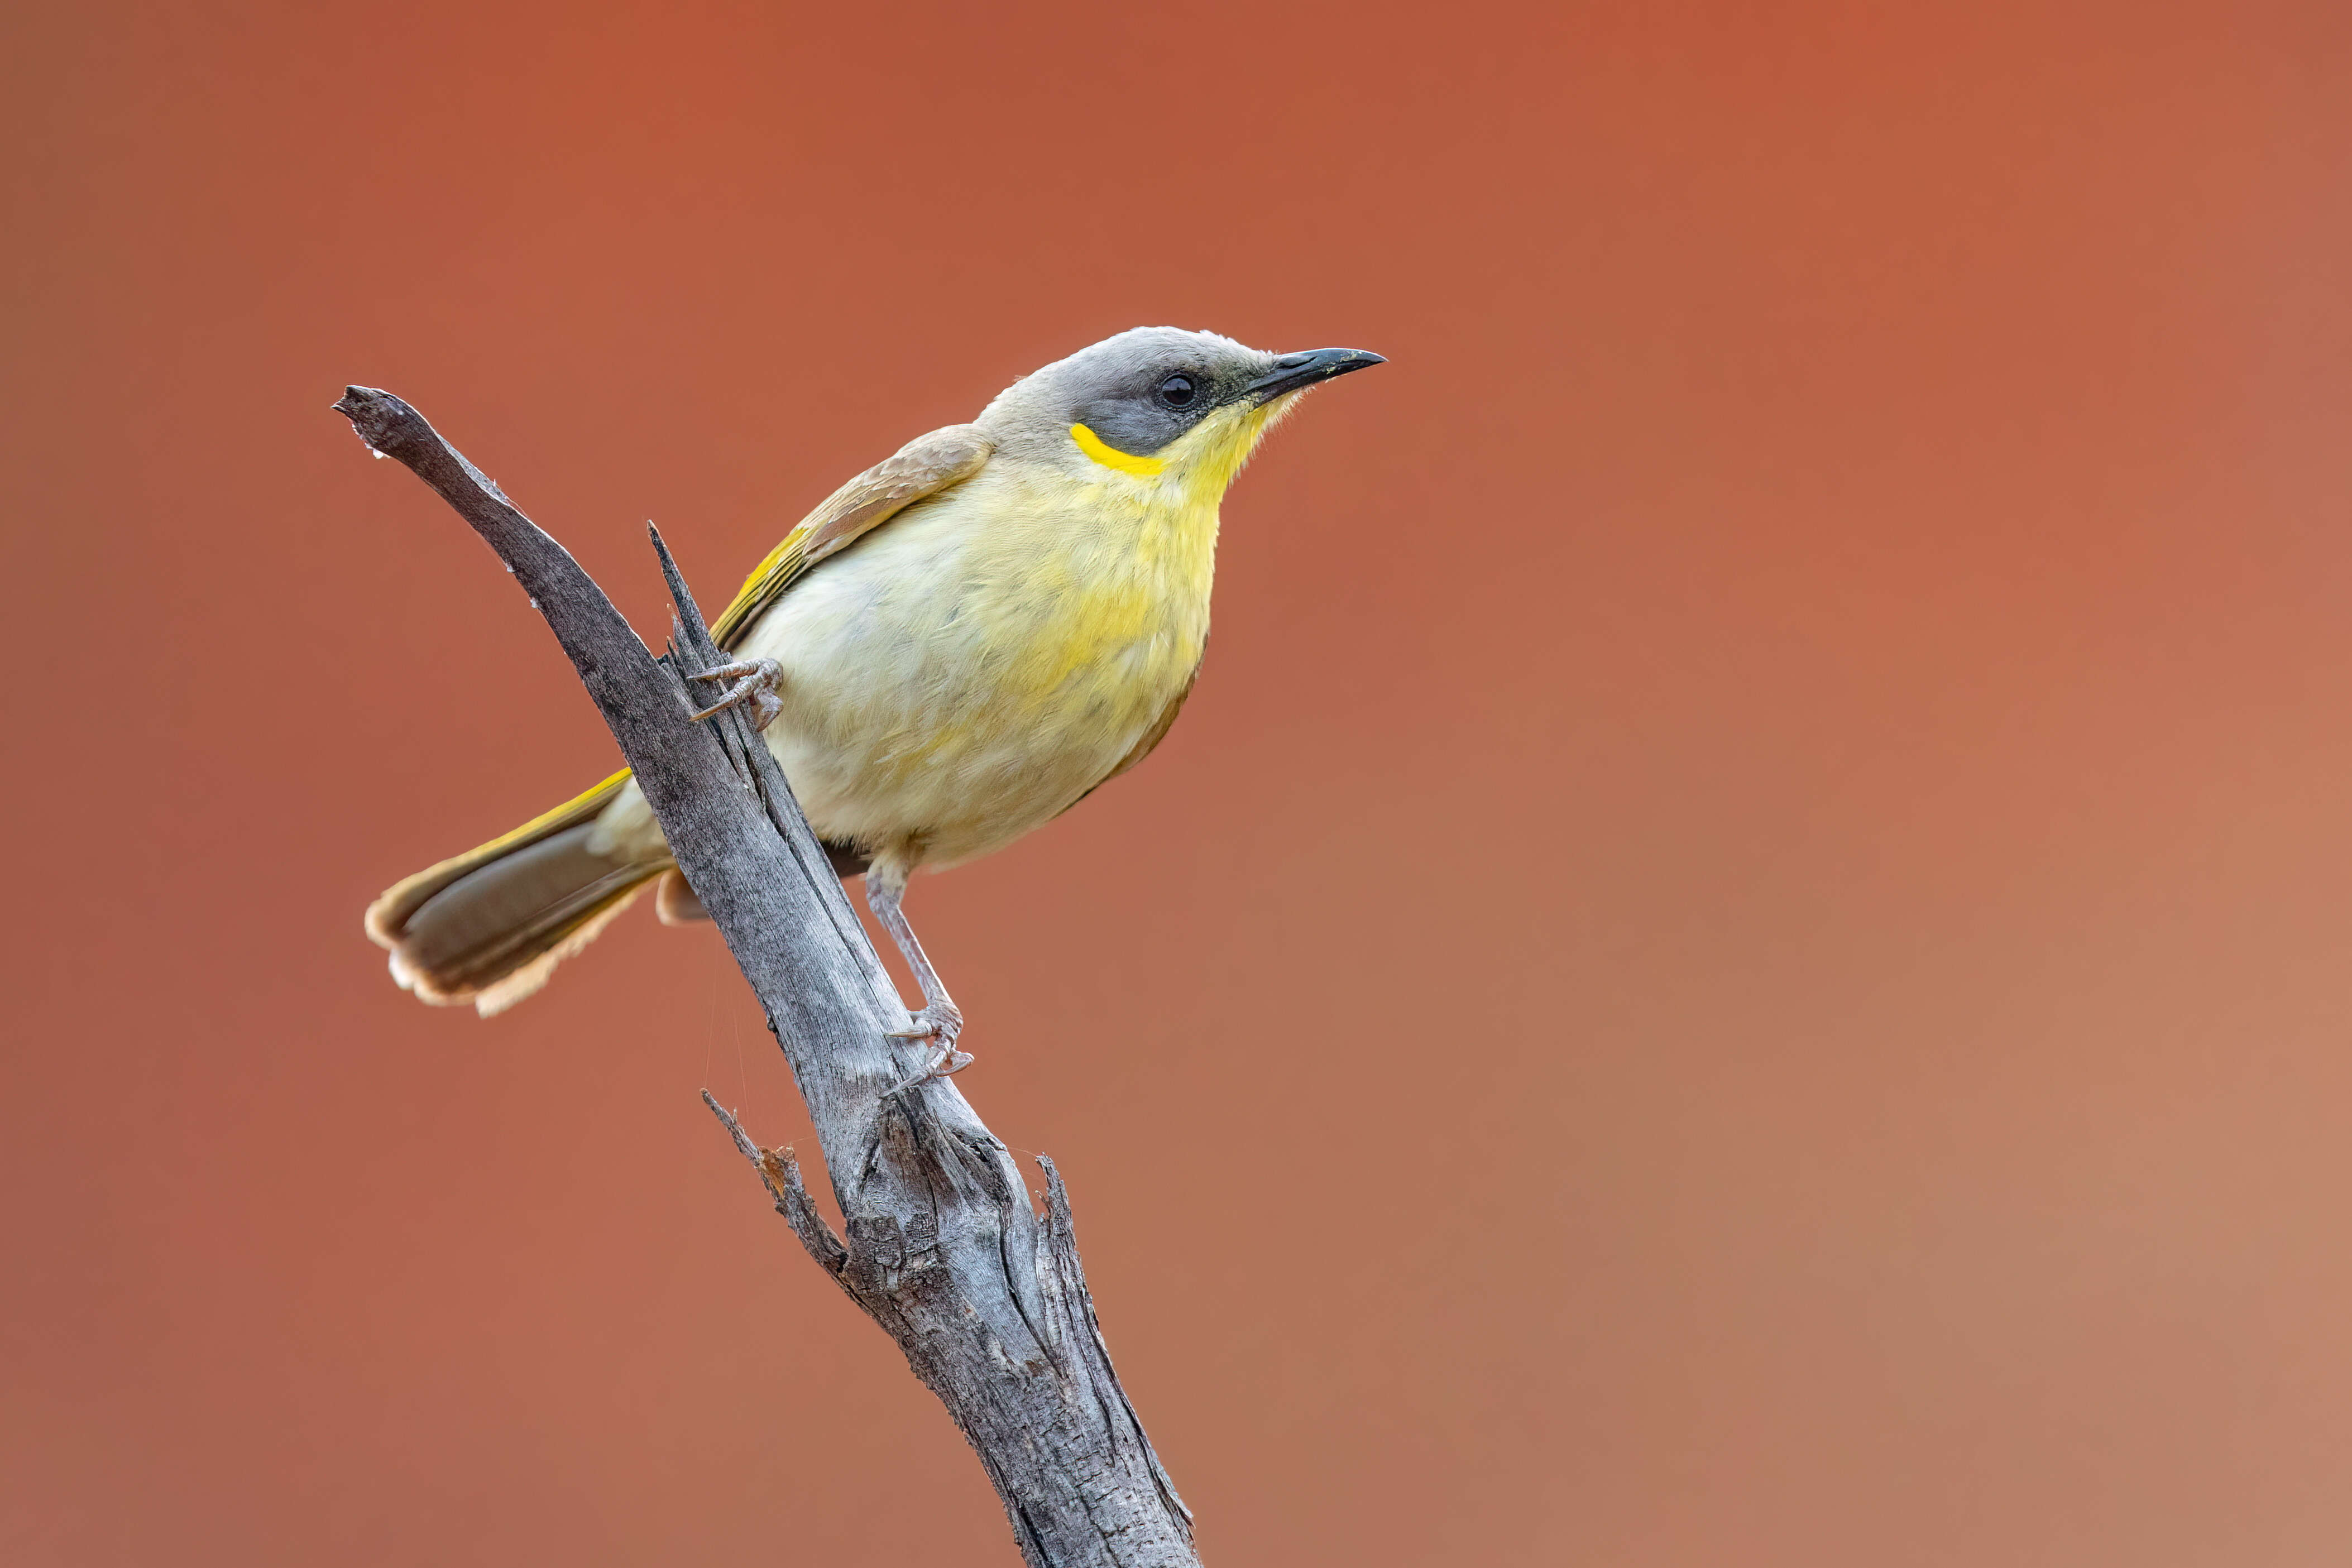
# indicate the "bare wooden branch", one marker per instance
pixel 943 1248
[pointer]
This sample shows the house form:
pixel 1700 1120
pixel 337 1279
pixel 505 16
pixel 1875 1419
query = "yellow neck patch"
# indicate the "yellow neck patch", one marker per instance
pixel 1110 456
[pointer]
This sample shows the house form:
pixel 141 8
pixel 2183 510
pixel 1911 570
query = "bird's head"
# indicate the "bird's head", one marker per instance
pixel 1158 404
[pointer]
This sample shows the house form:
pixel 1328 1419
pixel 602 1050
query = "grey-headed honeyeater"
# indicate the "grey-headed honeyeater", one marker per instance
pixel 952 649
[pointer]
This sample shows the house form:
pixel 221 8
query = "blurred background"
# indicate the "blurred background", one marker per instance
pixel 1743 956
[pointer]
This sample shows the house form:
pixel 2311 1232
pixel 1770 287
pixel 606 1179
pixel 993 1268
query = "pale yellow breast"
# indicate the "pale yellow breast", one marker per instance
pixel 984 659
pixel 1111 606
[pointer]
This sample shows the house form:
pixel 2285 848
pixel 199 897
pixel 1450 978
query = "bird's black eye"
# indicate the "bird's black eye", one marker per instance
pixel 1176 391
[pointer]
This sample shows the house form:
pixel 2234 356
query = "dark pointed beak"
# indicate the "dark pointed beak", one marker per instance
pixel 1292 371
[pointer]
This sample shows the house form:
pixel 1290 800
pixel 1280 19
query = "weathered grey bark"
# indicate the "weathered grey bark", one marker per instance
pixel 944 1249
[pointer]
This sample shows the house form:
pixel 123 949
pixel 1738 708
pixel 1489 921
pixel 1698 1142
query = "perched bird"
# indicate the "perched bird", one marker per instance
pixel 953 649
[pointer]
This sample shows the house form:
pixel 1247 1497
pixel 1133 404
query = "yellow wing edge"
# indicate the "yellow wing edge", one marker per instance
pixel 764 587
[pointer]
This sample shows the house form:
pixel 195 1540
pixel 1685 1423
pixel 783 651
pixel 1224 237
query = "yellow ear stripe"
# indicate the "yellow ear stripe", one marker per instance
pixel 1110 456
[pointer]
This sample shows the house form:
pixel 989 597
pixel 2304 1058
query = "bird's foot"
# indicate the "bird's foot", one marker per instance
pixel 940 1022
pixel 755 682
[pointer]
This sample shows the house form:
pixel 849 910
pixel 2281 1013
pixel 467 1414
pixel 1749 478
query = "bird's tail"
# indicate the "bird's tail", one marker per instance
pixel 489 927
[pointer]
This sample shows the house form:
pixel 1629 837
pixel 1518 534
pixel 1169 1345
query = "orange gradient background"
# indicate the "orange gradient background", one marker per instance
pixel 1744 956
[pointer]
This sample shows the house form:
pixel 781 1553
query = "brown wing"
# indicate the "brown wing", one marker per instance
pixel 924 466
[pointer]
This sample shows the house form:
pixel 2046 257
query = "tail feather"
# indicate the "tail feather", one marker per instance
pixel 389 913
pixel 490 925
pixel 516 983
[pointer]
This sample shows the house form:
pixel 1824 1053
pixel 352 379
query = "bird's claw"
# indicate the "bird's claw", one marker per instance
pixel 939 1023
pixel 755 682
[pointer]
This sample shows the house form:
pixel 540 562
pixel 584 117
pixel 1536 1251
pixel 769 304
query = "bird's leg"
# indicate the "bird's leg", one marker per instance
pixel 940 1020
pixel 755 682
